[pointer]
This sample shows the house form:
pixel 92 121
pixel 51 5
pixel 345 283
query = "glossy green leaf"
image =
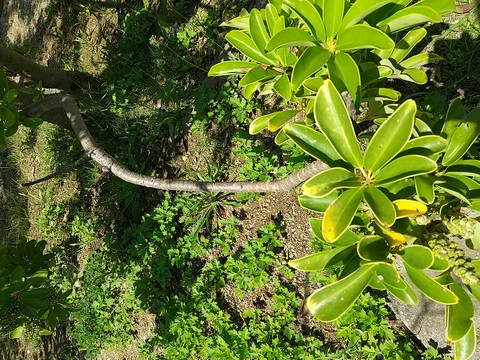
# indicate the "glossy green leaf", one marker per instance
pixel 257 74
pixel 455 115
pixel 282 87
pixel 420 60
pixel 281 137
pixel 240 22
pixel 373 248
pixel 319 205
pixel 363 36
pixel 465 167
pixel 290 37
pixel 340 214
pixel 344 73
pixel 313 143
pixel 381 206
pixel 313 84
pixel 10 95
pixel 454 187
pixel 332 301
pixel 359 10
pixel 424 186
pixel 332 17
pixel 322 260
pixel 271 16
pixel 227 68
pixel 439 264
pixel 312 60
pixel 258 30
pixel 280 25
pixel 407 43
pixel 387 273
pixel 249 90
pixel 244 43
pixel 425 145
pixel 416 76
pixel 390 137
pixel 406 295
pixel 329 180
pixel 332 118
pixel 464 349
pixel 405 167
pixel 417 256
pixel 429 287
pixel 459 317
pixel 463 137
pixel 443 7
pixel 409 17
pixel 309 14
pixel 272 121
pixel 379 94
pixel 17 332
pixel 32 122
pixel 348 238
pixel 374 74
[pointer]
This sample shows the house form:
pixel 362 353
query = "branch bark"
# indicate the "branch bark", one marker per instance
pixel 101 157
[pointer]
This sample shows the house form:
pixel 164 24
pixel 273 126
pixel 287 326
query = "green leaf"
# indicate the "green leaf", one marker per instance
pixel 420 60
pixel 273 121
pixel 329 180
pixel 38 293
pixel 405 167
pixel 429 287
pixel 386 273
pixel 416 76
pixel 379 94
pixel 316 204
pixel 227 68
pixel 282 87
pixel 374 74
pixel 409 17
pixel 332 16
pixel 464 349
pixel 37 278
pixel 459 317
pixel 249 90
pixel 10 95
pixel 313 143
pixel 381 206
pixel 424 185
pixel 290 37
pixel 465 167
pixel 257 74
pixel 17 332
pixel 332 301
pixel 281 137
pixel 240 22
pixel 407 43
pixel 347 239
pixel 322 260
pixel 417 256
pixel 309 14
pixel 463 137
pixel 425 145
pixel 257 29
pixel 359 10
pixel 271 15
pixel 311 61
pixel 455 115
pixel 443 7
pixel 32 122
pixel 332 118
pixel 407 295
pixel 340 214
pixel 390 137
pixel 246 45
pixel 344 73
pixel 373 248
pixel 3 139
pixel 363 36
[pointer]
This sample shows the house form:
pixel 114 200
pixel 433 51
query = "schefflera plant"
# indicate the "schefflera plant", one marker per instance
pixel 292 46
pixel 357 190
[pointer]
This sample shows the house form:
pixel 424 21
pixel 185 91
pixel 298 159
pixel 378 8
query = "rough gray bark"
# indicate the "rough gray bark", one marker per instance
pixel 92 150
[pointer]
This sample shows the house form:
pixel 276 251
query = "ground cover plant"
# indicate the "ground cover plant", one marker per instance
pixel 182 262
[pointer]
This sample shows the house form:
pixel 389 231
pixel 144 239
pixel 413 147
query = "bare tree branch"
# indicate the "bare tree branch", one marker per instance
pixel 107 161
